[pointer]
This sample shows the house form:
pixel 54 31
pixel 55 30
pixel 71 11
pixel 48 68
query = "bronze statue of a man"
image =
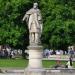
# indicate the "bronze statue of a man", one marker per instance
pixel 34 21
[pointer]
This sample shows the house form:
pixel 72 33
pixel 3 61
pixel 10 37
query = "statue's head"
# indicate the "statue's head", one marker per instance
pixel 35 5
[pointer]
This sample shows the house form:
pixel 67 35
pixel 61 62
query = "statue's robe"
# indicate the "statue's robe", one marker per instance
pixel 33 21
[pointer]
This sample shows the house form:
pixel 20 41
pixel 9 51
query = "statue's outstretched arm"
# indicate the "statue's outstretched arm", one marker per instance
pixel 24 18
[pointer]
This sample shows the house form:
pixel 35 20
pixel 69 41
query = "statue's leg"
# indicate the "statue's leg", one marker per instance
pixel 36 38
pixel 33 37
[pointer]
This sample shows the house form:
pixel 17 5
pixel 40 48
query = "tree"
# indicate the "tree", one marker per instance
pixel 58 19
pixel 12 30
pixel 59 23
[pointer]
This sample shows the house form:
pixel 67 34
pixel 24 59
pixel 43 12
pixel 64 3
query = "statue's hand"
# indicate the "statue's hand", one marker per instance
pixel 25 18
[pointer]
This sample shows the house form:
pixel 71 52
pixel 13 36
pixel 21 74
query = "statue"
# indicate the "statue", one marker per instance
pixel 34 21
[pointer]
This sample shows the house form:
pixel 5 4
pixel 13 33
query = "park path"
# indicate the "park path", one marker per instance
pixel 49 71
pixel 60 57
pixel 12 71
pixel 12 74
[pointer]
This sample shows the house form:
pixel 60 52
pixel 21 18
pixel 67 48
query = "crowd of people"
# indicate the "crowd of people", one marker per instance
pixel 48 52
pixel 70 53
pixel 8 52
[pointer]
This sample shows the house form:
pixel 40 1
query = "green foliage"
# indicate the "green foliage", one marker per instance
pixel 58 19
pixel 12 30
pixel 59 23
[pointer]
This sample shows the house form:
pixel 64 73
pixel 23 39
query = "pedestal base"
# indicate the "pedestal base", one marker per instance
pixel 34 72
pixel 35 61
pixel 35 57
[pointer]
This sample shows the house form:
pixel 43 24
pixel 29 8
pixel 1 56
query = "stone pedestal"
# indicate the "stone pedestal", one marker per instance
pixel 35 61
pixel 35 72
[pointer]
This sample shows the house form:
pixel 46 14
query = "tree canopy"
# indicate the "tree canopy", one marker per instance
pixel 12 30
pixel 58 22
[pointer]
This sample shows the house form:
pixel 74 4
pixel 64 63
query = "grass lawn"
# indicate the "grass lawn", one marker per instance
pixel 49 63
pixel 23 63
pixel 13 62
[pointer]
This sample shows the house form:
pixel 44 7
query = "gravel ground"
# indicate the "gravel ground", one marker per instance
pixel 12 74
